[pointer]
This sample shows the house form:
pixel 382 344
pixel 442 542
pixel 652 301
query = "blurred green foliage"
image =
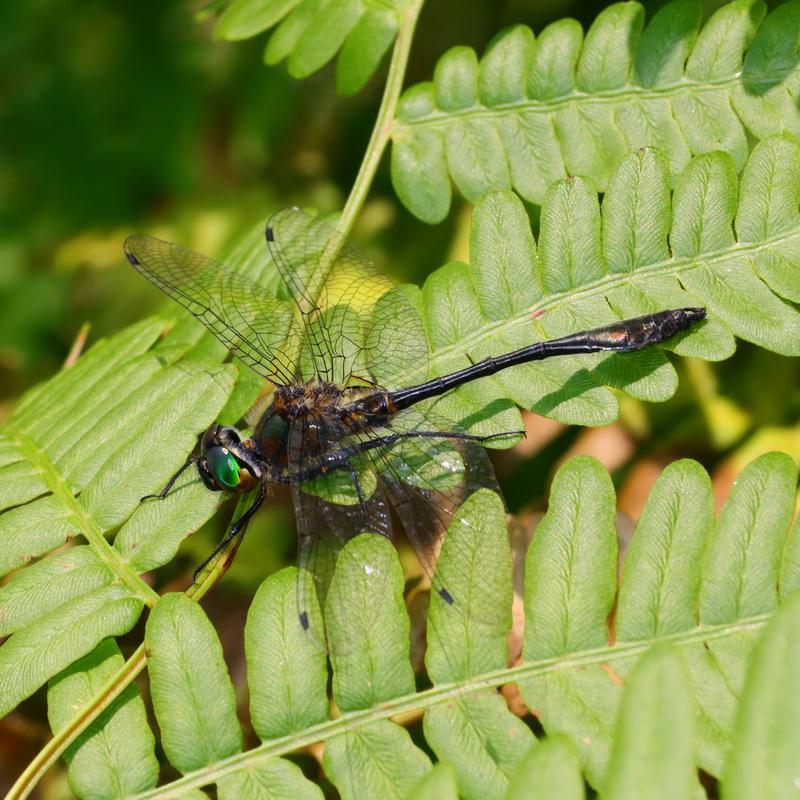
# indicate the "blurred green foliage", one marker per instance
pixel 117 117
pixel 121 117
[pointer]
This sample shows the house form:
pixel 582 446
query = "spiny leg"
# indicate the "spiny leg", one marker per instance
pixel 392 438
pixel 238 528
pixel 360 494
pixel 461 435
pixel 171 482
pixel 340 459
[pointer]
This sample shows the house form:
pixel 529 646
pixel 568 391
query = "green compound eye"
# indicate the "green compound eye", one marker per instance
pixel 224 467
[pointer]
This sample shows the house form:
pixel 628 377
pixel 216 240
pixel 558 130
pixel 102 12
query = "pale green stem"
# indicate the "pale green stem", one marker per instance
pixel 381 132
pixel 61 740
pixel 383 124
pixel 437 695
pixel 51 752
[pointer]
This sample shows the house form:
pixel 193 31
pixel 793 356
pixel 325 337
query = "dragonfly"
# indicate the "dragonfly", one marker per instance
pixel 351 425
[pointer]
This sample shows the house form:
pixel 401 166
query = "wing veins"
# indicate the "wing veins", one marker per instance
pixel 183 266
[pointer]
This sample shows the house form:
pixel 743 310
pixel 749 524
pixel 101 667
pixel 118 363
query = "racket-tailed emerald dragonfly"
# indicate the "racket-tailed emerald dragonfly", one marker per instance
pixel 350 426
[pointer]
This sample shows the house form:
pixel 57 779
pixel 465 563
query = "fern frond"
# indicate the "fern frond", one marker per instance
pixel 76 457
pixel 653 742
pixel 116 752
pixel 192 694
pixel 535 110
pixel 661 589
pixel 79 452
pixel 369 656
pixel 90 444
pixel 310 33
pixel 477 734
pixel 438 784
pixel 549 769
pixel 618 708
pixel 765 740
pixel 714 241
pixel 286 674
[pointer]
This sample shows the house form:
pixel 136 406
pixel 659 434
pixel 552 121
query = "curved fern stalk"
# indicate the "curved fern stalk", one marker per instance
pixel 310 33
pixel 699 588
pixel 718 242
pixel 116 751
pixel 81 450
pixel 77 453
pixel 89 444
pixel 535 110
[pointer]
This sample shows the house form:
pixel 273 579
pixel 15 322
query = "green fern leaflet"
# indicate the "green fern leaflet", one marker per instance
pixel 534 110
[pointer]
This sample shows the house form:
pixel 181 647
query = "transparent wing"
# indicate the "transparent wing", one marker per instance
pixel 427 473
pixel 437 486
pixel 330 509
pixel 260 329
pixel 425 467
pixel 358 325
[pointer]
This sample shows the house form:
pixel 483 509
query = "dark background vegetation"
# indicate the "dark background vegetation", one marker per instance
pixel 122 117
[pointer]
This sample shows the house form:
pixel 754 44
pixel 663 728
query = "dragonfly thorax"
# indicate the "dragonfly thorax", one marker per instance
pixel 299 400
pixel 323 400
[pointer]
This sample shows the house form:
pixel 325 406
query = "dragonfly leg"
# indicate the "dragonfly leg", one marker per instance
pixel 237 529
pixel 171 482
pixel 502 435
pixel 361 502
pixel 460 435
pixel 391 438
pixel 340 459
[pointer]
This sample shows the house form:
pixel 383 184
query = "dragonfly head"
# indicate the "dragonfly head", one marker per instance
pixel 228 463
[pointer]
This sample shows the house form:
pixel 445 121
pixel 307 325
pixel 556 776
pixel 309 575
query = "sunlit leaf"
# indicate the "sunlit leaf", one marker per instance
pixel 766 739
pixel 654 741
pixel 192 694
pixel 115 755
pixel 535 109
pixel 310 33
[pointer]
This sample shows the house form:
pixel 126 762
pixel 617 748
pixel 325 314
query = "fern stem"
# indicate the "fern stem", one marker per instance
pixel 127 673
pixel 385 120
pixel 442 693
pixel 61 740
pixel 86 525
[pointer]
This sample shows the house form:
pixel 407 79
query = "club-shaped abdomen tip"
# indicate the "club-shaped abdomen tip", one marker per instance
pixel 693 315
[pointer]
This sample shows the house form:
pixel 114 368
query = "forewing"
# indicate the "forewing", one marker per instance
pixel 260 329
pixel 396 352
pixel 358 325
pixel 426 467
